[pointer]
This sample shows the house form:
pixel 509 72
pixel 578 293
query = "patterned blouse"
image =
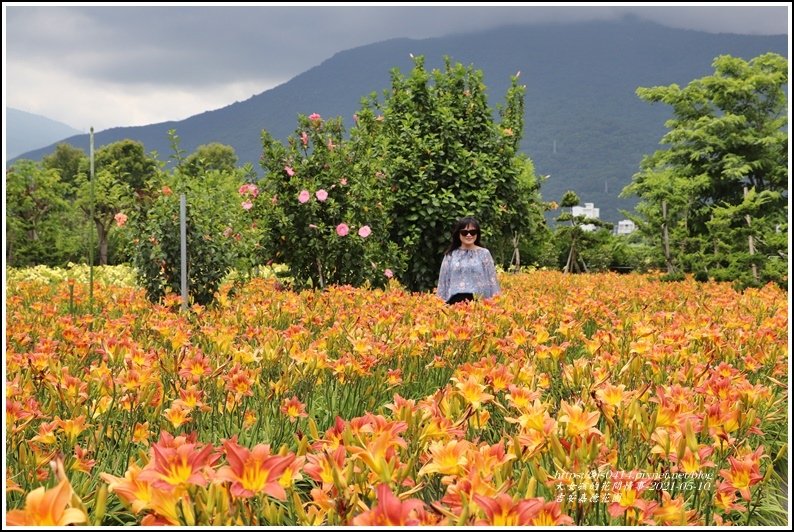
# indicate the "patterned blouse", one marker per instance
pixel 467 270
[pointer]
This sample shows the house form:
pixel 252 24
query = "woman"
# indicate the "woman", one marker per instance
pixel 467 268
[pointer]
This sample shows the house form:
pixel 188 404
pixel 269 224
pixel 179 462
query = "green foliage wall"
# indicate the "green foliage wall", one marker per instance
pixel 42 226
pixel 446 157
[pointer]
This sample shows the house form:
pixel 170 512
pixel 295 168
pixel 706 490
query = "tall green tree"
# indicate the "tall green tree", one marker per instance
pixel 110 197
pixel 208 157
pixel 127 162
pixel 122 171
pixel 41 226
pixel 576 236
pixel 727 141
pixel 69 161
pixel 446 157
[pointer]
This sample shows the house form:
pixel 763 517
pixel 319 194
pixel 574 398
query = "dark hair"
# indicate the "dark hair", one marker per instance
pixel 456 228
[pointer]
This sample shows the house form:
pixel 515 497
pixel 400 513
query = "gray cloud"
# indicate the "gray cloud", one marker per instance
pixel 239 51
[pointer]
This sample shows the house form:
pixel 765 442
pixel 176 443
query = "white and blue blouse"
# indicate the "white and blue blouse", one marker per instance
pixel 467 271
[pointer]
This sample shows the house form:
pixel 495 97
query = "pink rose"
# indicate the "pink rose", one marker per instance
pixel 314 117
pixel 321 194
pixel 343 181
pixel 304 138
pixel 342 229
pixel 304 196
pixel 121 219
pixel 364 231
pixel 289 170
pixel 388 273
pixel 247 205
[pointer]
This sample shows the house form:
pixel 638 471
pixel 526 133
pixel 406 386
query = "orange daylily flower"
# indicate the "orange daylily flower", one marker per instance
pixel 550 514
pixel 578 422
pixel 504 511
pixel 254 471
pixel 488 458
pixel 240 381
pixel 320 467
pixel 693 462
pixel 535 417
pixel 192 397
pixel 46 433
pixel 499 378
pixel 391 511
pixel 461 490
pixel 519 336
pixel 72 427
pixel 541 335
pixel 665 442
pixel 612 395
pixel 740 476
pixel 45 507
pixel 140 433
pixel 725 499
pixel 672 511
pixel 178 414
pixel 439 427
pixel 520 397
pixel 627 492
pixel 130 489
pixel 380 453
pixel 195 368
pixel 249 418
pixel 293 408
pixel 82 462
pixel 394 377
pixel 175 463
pixel 446 458
pixel 473 391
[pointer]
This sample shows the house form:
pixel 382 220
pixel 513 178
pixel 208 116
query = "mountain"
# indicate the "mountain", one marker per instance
pixel 584 126
pixel 27 131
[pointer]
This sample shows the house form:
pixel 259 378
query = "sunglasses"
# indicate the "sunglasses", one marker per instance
pixel 469 232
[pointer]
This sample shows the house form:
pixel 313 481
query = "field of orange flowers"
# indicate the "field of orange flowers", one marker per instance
pixel 587 400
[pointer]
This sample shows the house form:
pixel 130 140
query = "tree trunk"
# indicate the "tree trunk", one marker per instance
pixel 103 243
pixel 320 271
pixel 751 243
pixel 666 238
pixel 516 258
pixel 567 268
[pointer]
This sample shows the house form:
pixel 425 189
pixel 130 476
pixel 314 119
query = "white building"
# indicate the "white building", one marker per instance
pixel 625 227
pixel 589 211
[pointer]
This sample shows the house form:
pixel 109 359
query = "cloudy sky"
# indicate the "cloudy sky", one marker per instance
pixel 134 65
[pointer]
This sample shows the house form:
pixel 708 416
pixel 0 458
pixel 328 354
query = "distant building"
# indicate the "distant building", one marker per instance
pixel 589 211
pixel 625 227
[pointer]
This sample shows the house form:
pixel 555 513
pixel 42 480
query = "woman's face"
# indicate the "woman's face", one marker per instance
pixel 468 235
